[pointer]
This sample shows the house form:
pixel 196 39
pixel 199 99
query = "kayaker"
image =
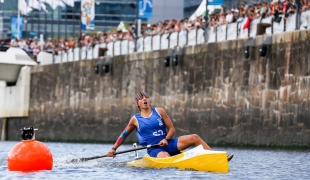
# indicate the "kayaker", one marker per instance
pixel 154 126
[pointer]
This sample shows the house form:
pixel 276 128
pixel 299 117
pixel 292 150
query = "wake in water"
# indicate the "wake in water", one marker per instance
pixel 70 160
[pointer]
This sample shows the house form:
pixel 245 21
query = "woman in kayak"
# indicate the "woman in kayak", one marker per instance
pixel 154 126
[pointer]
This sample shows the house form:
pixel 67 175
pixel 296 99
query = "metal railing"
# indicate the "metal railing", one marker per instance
pixel 183 38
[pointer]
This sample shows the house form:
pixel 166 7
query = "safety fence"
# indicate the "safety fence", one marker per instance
pixel 183 38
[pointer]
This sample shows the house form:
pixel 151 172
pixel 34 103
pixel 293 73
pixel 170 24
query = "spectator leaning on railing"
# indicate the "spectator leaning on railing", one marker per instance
pixel 48 46
pixel 237 15
pixel 305 5
pixel 229 16
pixel 36 51
pixel 276 11
pixel 14 42
pixel 23 44
pixel 290 8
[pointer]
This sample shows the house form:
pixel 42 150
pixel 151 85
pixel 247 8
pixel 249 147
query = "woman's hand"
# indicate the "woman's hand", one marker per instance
pixel 111 153
pixel 163 142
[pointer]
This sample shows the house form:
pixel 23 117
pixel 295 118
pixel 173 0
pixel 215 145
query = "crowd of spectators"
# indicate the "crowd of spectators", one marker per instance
pixel 277 9
pixel 237 14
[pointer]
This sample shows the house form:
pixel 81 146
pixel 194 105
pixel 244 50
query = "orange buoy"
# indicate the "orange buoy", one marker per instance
pixel 30 155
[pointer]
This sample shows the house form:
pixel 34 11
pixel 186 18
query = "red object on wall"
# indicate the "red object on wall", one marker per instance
pixel 247 23
pixel 30 155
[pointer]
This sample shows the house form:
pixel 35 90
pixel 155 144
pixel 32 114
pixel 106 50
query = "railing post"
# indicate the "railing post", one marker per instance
pixel 73 54
pixel 152 43
pixel 298 15
pixel 178 38
pixel 284 28
pixel 128 45
pixel 237 32
pixel 196 36
pixel 187 37
pixel 226 30
pixel 136 42
pixel 160 40
pixel 93 51
pixel 143 43
pixel 80 53
pixel 272 23
pixel 215 33
pixel 169 40
pixel 206 36
pixel 62 60
pixel 113 48
pixel 249 29
pixel 206 32
pixel 120 47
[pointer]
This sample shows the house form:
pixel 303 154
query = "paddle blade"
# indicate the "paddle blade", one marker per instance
pixel 86 159
pixel 229 157
pixel 78 160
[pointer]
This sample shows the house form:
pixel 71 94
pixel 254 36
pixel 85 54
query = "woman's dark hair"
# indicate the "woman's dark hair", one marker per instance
pixel 140 96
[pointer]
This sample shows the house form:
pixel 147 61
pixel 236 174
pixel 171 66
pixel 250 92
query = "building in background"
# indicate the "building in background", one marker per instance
pixel 190 6
pixel 167 10
pixel 60 20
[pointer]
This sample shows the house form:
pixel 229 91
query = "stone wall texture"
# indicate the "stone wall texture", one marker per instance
pixel 214 92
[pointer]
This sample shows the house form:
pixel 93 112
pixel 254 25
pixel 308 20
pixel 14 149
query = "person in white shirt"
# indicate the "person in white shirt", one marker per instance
pixel 229 17
pixel 14 42
pixel 22 44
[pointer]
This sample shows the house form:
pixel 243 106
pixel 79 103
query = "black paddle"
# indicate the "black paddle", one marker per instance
pixel 120 152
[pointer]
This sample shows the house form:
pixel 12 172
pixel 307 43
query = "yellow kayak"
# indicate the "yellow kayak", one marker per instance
pixel 197 159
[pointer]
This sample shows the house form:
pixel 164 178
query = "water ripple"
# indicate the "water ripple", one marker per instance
pixel 247 164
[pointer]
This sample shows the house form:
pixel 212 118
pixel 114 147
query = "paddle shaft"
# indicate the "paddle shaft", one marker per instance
pixel 119 152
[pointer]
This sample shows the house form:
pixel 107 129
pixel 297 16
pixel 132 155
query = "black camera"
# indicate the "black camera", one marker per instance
pixel 28 133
